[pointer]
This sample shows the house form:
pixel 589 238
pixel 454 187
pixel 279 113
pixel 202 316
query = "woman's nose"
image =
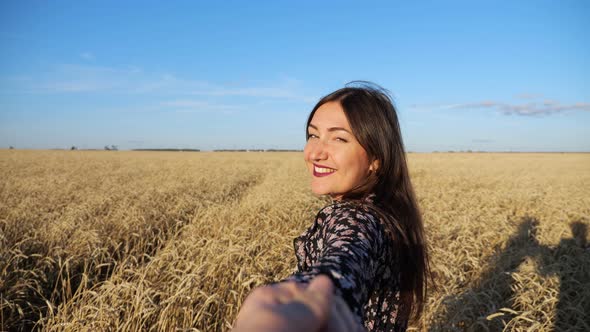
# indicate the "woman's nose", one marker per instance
pixel 318 151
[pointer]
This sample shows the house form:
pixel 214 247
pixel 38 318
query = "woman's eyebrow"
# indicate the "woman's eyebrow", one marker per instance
pixel 332 128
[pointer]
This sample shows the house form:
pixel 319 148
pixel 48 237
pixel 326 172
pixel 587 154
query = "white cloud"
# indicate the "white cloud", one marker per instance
pixel 72 78
pixel 75 78
pixel 531 108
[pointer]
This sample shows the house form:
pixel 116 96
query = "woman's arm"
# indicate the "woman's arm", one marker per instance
pixel 347 249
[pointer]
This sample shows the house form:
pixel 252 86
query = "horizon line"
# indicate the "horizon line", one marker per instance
pixel 274 150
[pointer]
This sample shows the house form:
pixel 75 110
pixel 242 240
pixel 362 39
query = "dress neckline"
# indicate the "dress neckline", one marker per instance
pixel 370 198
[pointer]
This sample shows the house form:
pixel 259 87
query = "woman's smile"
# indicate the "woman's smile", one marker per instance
pixel 319 170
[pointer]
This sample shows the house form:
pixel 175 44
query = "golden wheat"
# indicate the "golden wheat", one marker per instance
pixel 168 241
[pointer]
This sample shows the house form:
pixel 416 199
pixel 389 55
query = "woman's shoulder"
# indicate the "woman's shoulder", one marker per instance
pixel 348 213
pixel 361 207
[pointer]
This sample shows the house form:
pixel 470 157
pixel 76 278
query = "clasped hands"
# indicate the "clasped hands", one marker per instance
pixel 292 307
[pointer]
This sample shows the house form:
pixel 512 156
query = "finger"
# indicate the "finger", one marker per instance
pixel 273 294
pixel 318 296
pixel 322 288
pixel 345 315
pixel 335 323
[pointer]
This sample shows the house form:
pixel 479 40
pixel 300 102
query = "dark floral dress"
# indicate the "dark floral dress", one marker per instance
pixel 348 243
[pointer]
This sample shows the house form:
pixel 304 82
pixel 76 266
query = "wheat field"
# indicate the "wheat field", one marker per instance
pixel 171 241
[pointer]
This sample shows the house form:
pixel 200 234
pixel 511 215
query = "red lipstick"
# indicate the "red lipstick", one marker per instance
pixel 321 174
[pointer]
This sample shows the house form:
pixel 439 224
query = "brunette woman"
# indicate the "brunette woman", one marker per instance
pixel 370 240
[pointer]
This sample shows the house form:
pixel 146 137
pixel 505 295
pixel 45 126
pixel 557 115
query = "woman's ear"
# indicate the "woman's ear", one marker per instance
pixel 374 165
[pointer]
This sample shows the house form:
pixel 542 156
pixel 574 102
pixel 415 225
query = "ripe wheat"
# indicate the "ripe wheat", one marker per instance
pixel 169 241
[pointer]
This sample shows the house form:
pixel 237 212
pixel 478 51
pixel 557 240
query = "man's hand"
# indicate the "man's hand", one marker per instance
pixel 293 307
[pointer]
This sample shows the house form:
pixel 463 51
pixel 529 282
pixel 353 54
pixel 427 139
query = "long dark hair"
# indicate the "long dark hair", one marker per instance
pixel 373 120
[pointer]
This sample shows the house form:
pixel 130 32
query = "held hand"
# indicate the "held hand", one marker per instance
pixel 291 307
pixel 286 307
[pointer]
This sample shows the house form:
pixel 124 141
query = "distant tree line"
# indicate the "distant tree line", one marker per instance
pixel 256 150
pixel 116 148
pixel 178 150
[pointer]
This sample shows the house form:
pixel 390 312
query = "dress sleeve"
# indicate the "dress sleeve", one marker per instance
pixel 348 245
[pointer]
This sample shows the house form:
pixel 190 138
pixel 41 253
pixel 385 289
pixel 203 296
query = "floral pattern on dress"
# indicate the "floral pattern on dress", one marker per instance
pixel 348 243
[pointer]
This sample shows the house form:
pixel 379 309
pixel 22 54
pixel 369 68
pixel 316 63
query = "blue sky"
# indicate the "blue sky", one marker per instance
pixel 479 75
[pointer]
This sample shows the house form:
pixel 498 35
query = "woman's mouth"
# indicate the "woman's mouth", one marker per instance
pixel 322 170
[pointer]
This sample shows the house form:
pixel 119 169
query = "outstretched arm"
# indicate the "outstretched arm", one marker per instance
pixel 346 247
pixel 291 307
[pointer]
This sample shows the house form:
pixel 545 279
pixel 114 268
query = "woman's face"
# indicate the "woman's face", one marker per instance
pixel 334 158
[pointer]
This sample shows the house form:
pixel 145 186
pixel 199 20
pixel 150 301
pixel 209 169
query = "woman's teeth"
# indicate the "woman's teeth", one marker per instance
pixel 323 170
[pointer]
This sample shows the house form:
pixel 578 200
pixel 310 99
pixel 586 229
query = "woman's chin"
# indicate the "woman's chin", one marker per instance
pixel 319 190
pixel 325 192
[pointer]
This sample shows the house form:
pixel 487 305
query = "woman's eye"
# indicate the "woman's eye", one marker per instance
pixel 311 136
pixel 341 139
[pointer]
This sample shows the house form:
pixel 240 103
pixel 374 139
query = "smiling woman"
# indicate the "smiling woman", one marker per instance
pixel 333 155
pixel 370 241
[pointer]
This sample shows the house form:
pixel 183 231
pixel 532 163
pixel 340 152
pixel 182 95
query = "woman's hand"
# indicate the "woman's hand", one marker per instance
pixel 341 318
pixel 291 307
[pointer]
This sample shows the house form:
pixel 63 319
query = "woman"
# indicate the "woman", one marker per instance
pixel 370 241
